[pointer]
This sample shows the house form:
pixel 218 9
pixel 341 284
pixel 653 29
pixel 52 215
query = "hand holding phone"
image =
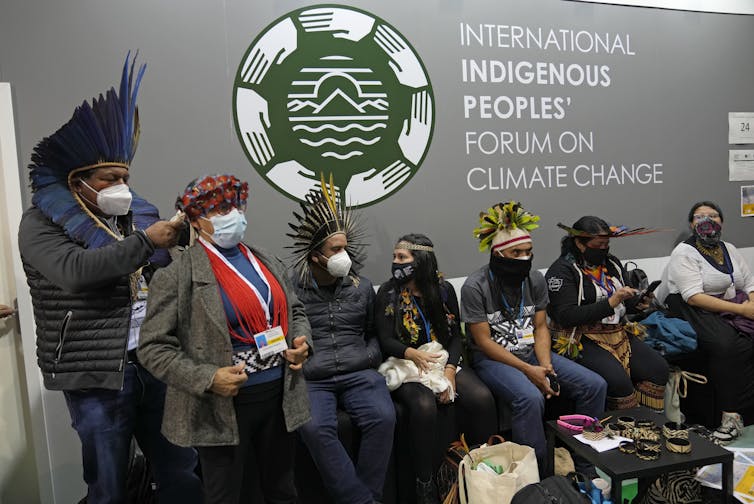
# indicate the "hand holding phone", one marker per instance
pixel 649 290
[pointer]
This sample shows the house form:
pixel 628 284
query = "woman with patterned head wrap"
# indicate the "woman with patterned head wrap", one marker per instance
pixel 89 246
pixel 503 306
pixel 220 326
pixel 418 322
pixel 588 304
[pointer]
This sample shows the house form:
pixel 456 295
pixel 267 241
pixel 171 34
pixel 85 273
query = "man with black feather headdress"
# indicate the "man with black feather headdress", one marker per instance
pixel 328 248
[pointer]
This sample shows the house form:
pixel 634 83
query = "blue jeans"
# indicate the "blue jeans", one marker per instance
pixel 365 397
pixel 586 388
pixel 106 420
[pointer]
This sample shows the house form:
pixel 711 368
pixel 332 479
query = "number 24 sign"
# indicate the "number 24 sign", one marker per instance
pixel 741 127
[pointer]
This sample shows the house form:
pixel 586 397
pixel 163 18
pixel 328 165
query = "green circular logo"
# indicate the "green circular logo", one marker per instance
pixel 333 90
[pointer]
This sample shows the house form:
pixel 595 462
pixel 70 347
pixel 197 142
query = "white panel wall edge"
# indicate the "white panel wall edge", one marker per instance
pixel 48 422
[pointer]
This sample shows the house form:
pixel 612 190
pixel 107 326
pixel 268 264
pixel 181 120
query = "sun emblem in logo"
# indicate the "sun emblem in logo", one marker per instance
pixel 333 90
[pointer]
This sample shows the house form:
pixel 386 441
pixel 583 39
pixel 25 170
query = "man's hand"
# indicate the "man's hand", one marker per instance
pixel 164 234
pixel 228 380
pixel 6 311
pixel 298 354
pixel 538 376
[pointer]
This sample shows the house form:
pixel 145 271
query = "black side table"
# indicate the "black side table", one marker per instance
pixel 620 466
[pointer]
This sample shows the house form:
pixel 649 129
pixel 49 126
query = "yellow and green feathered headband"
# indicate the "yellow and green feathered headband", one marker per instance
pixel 504 225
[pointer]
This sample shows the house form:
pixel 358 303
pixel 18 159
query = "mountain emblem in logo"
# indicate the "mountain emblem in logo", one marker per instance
pixel 333 90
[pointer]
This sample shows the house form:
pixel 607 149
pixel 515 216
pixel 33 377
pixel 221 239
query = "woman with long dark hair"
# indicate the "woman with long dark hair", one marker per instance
pixel 588 303
pixel 416 306
pixel 710 285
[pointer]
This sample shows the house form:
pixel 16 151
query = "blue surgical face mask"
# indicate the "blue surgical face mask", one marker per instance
pixel 229 228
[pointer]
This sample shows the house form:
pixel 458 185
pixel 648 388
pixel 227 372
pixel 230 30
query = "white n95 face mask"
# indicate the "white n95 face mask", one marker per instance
pixel 113 200
pixel 338 265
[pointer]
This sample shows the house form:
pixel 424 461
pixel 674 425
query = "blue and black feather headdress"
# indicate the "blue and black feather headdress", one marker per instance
pixel 100 135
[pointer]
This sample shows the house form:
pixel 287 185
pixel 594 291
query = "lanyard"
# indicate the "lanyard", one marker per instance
pixel 519 321
pixel 728 264
pixel 255 265
pixel 427 327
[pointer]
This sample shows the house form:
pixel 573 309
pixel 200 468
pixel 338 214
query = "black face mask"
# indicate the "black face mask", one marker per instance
pixel 404 272
pixel 508 270
pixel 595 256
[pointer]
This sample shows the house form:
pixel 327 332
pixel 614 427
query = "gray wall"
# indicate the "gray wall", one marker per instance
pixel 666 104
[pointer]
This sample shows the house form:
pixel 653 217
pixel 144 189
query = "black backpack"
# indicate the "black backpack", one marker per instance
pixel 551 490
pixel 635 277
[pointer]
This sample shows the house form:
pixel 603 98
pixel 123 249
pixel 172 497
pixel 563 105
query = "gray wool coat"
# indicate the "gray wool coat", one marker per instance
pixel 184 340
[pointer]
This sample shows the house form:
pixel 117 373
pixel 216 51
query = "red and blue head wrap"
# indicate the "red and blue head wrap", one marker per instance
pixel 212 192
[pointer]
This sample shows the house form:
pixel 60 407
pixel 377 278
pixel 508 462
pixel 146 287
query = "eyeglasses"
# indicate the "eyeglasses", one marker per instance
pixel 710 215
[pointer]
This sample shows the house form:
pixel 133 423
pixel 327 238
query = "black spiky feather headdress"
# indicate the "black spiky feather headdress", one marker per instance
pixel 323 215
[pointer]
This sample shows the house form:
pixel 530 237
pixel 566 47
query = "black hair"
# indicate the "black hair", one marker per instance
pixel 427 281
pixel 588 224
pixel 707 204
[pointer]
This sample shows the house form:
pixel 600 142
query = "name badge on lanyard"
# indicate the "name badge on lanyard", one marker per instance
pixel 525 336
pixel 270 342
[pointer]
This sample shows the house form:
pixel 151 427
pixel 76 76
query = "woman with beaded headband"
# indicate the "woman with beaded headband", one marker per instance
pixel 588 304
pixel 414 307
pixel 227 334
pixel 709 283
pixel 504 305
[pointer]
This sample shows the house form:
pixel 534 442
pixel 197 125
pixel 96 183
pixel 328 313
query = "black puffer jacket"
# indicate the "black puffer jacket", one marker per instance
pixel 82 302
pixel 342 327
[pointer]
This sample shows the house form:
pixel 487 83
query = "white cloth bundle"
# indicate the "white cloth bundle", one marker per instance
pixel 399 371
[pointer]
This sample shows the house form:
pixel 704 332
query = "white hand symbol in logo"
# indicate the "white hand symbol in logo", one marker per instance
pixel 295 179
pixel 368 186
pixel 274 46
pixel 414 136
pixel 403 61
pixel 253 119
pixel 346 24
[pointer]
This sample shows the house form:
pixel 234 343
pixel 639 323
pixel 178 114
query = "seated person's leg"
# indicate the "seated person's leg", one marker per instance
pixel 421 406
pixel 527 402
pixel 649 371
pixel 366 399
pixel 620 389
pixel 586 388
pixel 320 435
pixel 476 412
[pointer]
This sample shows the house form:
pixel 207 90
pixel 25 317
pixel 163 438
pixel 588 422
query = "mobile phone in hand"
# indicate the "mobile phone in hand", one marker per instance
pixel 649 290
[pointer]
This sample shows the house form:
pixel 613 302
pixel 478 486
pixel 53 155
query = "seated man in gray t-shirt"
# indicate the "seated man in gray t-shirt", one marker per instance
pixel 504 307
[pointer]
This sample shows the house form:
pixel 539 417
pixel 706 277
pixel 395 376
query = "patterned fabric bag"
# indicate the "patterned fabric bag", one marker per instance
pixel 677 487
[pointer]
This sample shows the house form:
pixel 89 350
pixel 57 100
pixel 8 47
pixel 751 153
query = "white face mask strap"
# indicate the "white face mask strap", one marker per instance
pixel 81 195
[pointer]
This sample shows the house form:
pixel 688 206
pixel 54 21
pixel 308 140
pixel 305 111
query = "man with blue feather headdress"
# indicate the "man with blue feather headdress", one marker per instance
pixel 89 246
